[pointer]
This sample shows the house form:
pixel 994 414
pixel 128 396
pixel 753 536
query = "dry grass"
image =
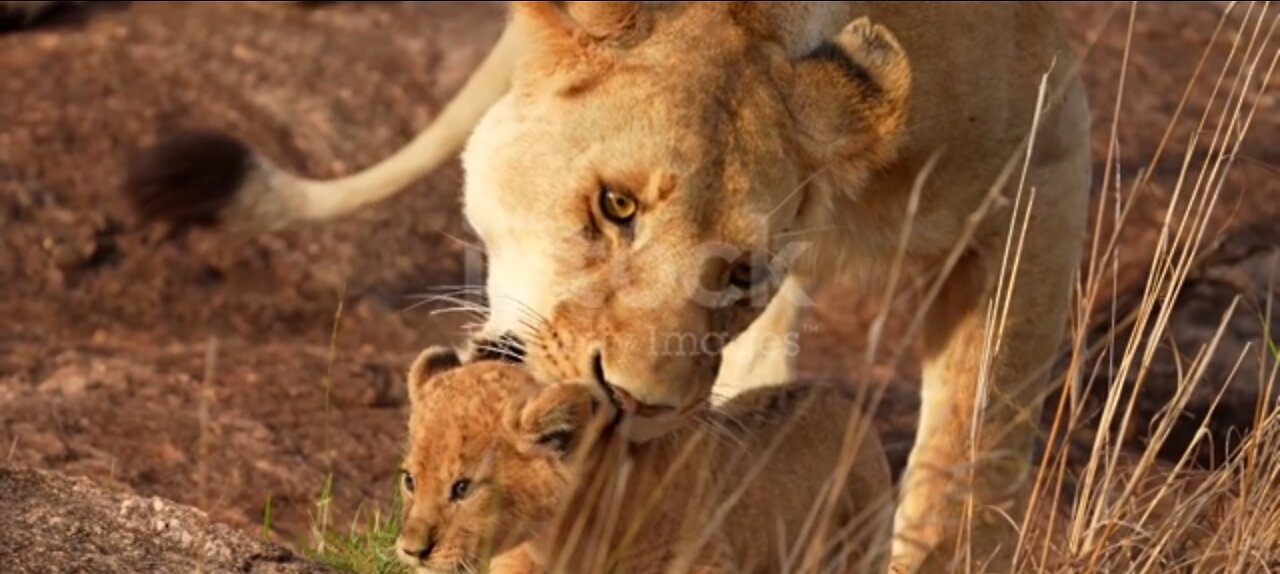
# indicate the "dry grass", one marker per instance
pixel 1133 513
pixel 1129 512
pixel 1124 511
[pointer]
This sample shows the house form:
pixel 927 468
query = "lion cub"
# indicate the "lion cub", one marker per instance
pixel 537 476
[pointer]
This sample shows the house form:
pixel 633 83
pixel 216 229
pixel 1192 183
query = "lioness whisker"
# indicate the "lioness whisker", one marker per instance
pixel 477 246
pixel 818 229
pixel 446 297
pixel 501 352
pixel 716 426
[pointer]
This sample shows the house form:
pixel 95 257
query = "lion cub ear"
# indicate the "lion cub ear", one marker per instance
pixel 851 95
pixel 556 418
pixel 430 363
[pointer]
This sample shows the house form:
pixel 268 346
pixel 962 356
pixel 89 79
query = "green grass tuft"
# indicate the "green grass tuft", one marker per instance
pixel 266 520
pixel 367 546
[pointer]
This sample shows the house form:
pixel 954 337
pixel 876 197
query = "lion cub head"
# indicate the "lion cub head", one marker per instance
pixel 485 466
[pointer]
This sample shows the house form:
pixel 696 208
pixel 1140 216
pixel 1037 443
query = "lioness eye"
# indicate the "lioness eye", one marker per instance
pixel 408 481
pixel 616 206
pixel 460 490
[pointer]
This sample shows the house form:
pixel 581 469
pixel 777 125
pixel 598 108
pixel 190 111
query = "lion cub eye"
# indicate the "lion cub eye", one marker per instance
pixel 557 441
pixel 617 207
pixel 746 276
pixel 460 490
pixel 407 478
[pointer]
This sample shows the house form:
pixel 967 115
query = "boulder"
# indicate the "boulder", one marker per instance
pixel 50 523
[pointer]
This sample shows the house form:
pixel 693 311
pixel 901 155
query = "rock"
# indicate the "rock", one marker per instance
pixel 51 523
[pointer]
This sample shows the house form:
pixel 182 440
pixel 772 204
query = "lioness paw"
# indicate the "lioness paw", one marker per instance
pixel 877 50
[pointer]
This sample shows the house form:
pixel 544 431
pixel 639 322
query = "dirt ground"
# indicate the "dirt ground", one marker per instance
pixel 147 360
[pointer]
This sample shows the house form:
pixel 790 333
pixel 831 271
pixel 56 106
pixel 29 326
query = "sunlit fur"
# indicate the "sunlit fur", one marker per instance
pixel 718 149
pixel 788 135
pixel 456 432
pixel 733 141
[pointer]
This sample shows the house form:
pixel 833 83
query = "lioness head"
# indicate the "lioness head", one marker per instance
pixel 486 464
pixel 637 185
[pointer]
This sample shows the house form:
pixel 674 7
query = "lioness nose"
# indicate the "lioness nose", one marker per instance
pixel 624 400
pixel 629 404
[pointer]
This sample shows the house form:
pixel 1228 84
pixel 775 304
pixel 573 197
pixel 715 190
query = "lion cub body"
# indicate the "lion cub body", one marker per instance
pixel 553 482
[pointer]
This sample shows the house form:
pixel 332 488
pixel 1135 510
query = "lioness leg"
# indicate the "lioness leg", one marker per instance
pixel 949 474
pixel 766 352
pixel 966 484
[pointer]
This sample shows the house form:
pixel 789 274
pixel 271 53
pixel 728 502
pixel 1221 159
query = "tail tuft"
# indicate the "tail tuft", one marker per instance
pixel 18 15
pixel 188 178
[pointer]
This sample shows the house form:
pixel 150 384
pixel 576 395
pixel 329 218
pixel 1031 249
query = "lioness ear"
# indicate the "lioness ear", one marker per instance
pixel 569 42
pixel 851 96
pixel 617 23
pixel 557 417
pixel 430 363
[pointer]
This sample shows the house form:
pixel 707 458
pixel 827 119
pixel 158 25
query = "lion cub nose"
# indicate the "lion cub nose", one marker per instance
pixel 423 553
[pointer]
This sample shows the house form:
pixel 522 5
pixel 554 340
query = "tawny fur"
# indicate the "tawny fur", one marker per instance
pixel 786 137
pixel 649 505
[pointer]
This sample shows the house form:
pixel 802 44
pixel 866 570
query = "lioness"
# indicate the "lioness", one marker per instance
pixel 498 464
pixel 653 179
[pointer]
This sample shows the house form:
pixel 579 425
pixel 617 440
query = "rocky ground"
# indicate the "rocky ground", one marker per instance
pixel 74 525
pixel 143 360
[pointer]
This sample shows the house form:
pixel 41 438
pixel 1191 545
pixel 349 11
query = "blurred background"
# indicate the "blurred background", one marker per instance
pixel 107 328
